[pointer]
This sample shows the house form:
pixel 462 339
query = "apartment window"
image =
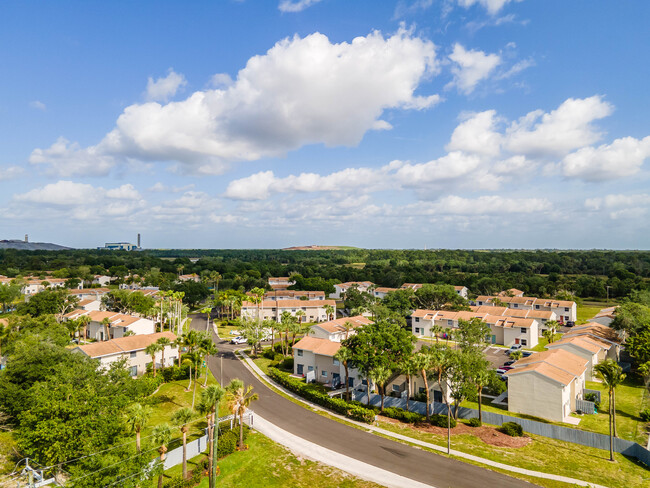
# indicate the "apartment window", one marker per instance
pixel 417 330
pixel 515 305
pixel 310 368
pixel 450 322
pixel 293 309
pixel 537 307
pixel 273 310
pixel 522 330
pixel 133 354
pixel 133 371
pixel 323 374
pixel 524 342
pixel 417 319
pixel 421 390
pixel 566 309
pixel 396 388
pixel 299 352
pixel 335 362
pixel 364 382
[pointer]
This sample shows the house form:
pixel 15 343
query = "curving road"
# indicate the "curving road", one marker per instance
pixel 398 458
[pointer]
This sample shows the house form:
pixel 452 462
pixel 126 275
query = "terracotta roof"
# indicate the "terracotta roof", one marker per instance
pixel 607 312
pixel 560 358
pixel 546 302
pixel 459 288
pixel 117 319
pixel 291 304
pixel 597 330
pixel 492 310
pixel 582 342
pixel 529 314
pixel 348 284
pixel 383 289
pixel 123 344
pixel 322 347
pixel 338 325
pixel 422 312
pixel 545 369
pixel 90 291
pixel 293 293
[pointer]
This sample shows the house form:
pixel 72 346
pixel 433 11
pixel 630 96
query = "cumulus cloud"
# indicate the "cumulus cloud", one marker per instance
pixel 302 91
pixel 163 88
pixel 10 172
pixel 623 157
pixel 620 206
pixel 492 6
pixel 162 188
pixel 38 105
pixel 296 5
pixel 477 134
pixel 69 193
pixel 67 159
pixel 470 67
pixel 484 205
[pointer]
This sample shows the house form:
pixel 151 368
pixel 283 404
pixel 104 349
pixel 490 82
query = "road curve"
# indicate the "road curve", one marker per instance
pixel 407 461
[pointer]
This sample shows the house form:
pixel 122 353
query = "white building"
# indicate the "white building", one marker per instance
pixel 119 324
pixel 460 290
pixel 340 289
pixel 281 283
pixel 314 310
pixel 565 310
pixel 337 330
pixel 294 295
pixel 132 349
pixel 101 280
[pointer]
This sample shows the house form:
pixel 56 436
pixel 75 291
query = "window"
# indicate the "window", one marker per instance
pixel 299 352
pixel 336 362
pixel 421 390
pixel 566 309
pixel 133 354
pixel 450 322
pixel 417 330
pixel 310 368
pixel 299 368
pixel 524 342
pixel 133 370
pixel 323 374
pixel 396 388
pixel 522 330
pixel 417 319
pixel 515 305
pixel 364 382
pixel 536 307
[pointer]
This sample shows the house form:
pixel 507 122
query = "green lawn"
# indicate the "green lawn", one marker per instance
pixel 224 330
pixel 588 309
pixel 546 455
pixel 7 443
pixel 269 465
pixel 630 400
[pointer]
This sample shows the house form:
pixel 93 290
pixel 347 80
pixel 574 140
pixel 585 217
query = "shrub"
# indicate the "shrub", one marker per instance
pixel 287 364
pixel 441 421
pixel 645 415
pixel 297 386
pixel 474 422
pixel 277 357
pixel 269 354
pixel 361 414
pixel 591 397
pixel 513 429
pixel 403 415
pixel 226 444
pixel 420 397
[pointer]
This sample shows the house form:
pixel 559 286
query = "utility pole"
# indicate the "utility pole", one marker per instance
pixel 608 287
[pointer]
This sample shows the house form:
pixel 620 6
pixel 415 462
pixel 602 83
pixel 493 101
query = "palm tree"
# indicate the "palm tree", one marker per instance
pixel 552 327
pixel 435 330
pixel 329 310
pixel 408 368
pixel 181 419
pixel 206 349
pixel 300 314
pixel 215 277
pixel 84 320
pixel 612 375
pixel 151 350
pixel 516 355
pixel 380 375
pixel 481 379
pixel 163 342
pixel 344 355
pixel 106 322
pixel 286 319
pixel 232 387
pixel 190 340
pixel 137 417
pixel 162 434
pixel 239 401
pixel 348 326
pixel 207 311
pixel 210 399
pixel 422 362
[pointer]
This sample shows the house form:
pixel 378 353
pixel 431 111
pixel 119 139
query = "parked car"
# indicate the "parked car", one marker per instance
pixel 508 363
pixel 570 324
pixel 526 353
pixel 238 340
pixel 506 368
pixel 514 347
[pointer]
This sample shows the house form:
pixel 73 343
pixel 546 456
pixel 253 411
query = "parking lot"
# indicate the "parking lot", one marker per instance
pixel 496 355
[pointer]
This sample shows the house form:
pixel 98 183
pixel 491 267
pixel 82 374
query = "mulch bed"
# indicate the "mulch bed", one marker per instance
pixel 489 435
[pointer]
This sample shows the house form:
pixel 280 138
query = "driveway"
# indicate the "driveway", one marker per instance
pixel 407 461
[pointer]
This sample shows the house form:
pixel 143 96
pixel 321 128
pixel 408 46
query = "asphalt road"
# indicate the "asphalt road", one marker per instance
pixel 398 458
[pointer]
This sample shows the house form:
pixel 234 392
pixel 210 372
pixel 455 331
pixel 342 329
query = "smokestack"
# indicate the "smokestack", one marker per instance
pixel 26 238
pixel 138 241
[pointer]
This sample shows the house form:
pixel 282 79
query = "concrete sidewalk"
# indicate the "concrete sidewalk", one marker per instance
pixel 506 467
pixel 309 450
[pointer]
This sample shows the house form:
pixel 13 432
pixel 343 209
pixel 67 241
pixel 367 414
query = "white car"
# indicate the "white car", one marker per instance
pixel 239 340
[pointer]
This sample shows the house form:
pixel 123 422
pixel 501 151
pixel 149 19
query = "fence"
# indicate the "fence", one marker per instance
pixel 566 434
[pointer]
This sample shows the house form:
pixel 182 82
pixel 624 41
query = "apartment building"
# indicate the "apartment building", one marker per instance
pixel 338 330
pixel 340 289
pixel 281 283
pixel 461 290
pixel 294 295
pixel 118 325
pixel 565 311
pixel 314 310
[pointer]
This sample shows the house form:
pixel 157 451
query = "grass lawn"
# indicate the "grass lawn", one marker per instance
pixel 588 309
pixel 630 400
pixel 269 465
pixel 7 460
pixel 547 455
pixel 224 330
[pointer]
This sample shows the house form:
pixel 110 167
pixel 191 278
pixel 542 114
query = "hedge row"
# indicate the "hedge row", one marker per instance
pixel 337 405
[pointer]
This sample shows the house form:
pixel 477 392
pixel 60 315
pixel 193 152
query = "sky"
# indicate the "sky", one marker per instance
pixel 277 123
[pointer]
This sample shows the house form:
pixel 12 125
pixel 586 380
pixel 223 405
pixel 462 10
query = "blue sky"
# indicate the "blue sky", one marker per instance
pixel 392 124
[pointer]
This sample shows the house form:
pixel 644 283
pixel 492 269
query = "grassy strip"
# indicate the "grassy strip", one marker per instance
pixel 545 455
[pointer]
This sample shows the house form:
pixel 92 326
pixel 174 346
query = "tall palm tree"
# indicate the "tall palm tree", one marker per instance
pixel 329 310
pixel 215 277
pixel 344 355
pixel 163 342
pixel 612 375
pixel 106 322
pixel 286 319
pixel 408 368
pixel 178 343
pixel 207 311
pixel 190 341
pixel 207 348
pixel 234 385
pixel 380 375
pixel 435 330
pixel 137 416
pixel 300 314
pixel 481 379
pixel 151 350
pixel 181 418
pixel 210 399
pixel 422 363
pixel 84 320
pixel 239 401
pixel 162 435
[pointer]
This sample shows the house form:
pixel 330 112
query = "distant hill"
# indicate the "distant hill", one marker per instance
pixel 318 248
pixel 31 246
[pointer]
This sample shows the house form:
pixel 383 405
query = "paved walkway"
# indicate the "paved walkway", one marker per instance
pixel 537 474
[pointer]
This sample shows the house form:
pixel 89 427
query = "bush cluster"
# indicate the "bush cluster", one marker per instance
pixel 174 373
pixel 513 429
pixel 403 415
pixel 194 478
pixel 441 421
pixel 474 422
pixel 591 397
pixel 227 441
pixel 336 404
pixel 645 415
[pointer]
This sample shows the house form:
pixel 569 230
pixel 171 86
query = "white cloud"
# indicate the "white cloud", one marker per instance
pixel 124 192
pixel 492 6
pixel 161 188
pixel 623 157
pixel 477 134
pixel 296 5
pixel 484 205
pixel 516 68
pixel 69 193
pixel 619 206
pixel 67 159
pixel 38 105
pixel 162 89
pixel 556 133
pixel 221 80
pixel 411 7
pixel 470 67
pixel 10 172
pixel 302 91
